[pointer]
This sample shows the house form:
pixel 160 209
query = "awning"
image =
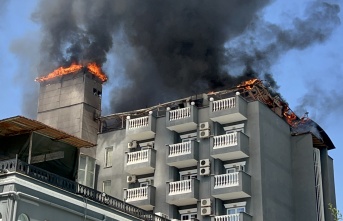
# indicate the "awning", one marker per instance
pixel 20 125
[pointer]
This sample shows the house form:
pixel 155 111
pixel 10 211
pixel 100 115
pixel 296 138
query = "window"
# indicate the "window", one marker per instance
pixel 108 156
pixel 188 214
pixel 106 186
pixel 188 174
pixel 235 208
pixel 235 167
pixel 234 128
pixel 188 137
pixel 144 184
pixel 86 171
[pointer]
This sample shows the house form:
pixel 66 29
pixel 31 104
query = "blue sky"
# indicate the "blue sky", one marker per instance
pixel 312 76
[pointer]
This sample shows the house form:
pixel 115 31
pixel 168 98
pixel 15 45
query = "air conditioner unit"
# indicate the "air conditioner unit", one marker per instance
pixel 205 202
pixel 204 126
pixel 131 179
pixel 204 133
pixel 205 171
pixel 162 215
pixel 206 211
pixel 132 144
pixel 204 163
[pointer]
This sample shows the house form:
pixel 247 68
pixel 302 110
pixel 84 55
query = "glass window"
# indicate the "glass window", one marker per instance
pixel 235 210
pixel 86 171
pixel 188 216
pixel 106 186
pixel 108 156
pixel 189 176
pixel 144 184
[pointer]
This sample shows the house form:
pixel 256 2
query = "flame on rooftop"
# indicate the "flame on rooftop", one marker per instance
pixel 92 67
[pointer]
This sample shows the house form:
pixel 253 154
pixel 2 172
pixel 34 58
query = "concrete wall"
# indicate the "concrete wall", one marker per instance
pixel 69 104
pixel 304 193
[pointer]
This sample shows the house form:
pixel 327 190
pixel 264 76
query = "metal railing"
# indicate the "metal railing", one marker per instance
pixel 179 149
pixel 138 157
pixel 179 187
pixel 224 104
pixel 21 167
pixel 225 140
pixel 179 113
pixel 231 217
pixel 138 122
pixel 226 180
pixel 135 194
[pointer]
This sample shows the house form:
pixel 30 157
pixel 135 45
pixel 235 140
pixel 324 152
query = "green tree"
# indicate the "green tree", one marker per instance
pixel 337 215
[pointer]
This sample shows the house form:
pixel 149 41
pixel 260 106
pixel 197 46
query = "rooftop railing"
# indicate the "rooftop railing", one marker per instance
pixel 15 165
pixel 224 104
pixel 179 113
pixel 138 122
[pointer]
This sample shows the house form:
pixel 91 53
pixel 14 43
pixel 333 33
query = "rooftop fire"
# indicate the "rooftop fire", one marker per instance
pixel 92 67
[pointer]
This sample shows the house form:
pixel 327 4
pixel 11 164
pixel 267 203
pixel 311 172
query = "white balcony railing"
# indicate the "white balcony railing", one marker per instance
pixel 225 140
pixel 135 194
pixel 138 122
pixel 179 113
pixel 180 149
pixel 226 180
pixel 179 187
pixel 224 104
pixel 231 217
pixel 138 157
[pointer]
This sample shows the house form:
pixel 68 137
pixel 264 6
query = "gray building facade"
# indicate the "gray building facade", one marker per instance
pixel 221 159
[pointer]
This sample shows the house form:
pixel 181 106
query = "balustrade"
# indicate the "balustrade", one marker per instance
pixel 225 140
pixel 231 217
pixel 226 180
pixel 224 104
pixel 137 194
pixel 138 122
pixel 179 113
pixel 179 187
pixel 138 157
pixel 180 149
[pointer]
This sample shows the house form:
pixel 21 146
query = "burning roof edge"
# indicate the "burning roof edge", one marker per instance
pixel 298 125
pixel 319 136
pixel 20 125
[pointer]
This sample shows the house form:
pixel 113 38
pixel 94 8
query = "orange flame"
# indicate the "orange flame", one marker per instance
pixel 96 70
pixel 61 71
pixel 289 116
pixel 248 84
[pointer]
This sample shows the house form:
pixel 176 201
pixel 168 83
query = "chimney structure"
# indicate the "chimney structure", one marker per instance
pixel 72 103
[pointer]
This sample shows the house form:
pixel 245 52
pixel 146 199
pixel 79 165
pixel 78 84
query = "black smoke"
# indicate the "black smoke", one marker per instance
pixel 173 48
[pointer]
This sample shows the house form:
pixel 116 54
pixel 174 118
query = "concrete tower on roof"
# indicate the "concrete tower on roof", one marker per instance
pixel 72 103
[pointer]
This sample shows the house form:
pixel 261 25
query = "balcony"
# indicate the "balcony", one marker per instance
pixel 228 110
pixel 142 197
pixel 230 146
pixel 183 155
pixel 184 192
pixel 234 217
pixel 141 128
pixel 182 120
pixel 231 186
pixel 141 162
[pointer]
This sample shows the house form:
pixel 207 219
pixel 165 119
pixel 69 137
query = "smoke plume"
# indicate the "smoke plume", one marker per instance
pixel 173 48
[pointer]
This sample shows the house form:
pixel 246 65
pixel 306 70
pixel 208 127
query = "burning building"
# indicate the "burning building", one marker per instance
pixel 235 154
